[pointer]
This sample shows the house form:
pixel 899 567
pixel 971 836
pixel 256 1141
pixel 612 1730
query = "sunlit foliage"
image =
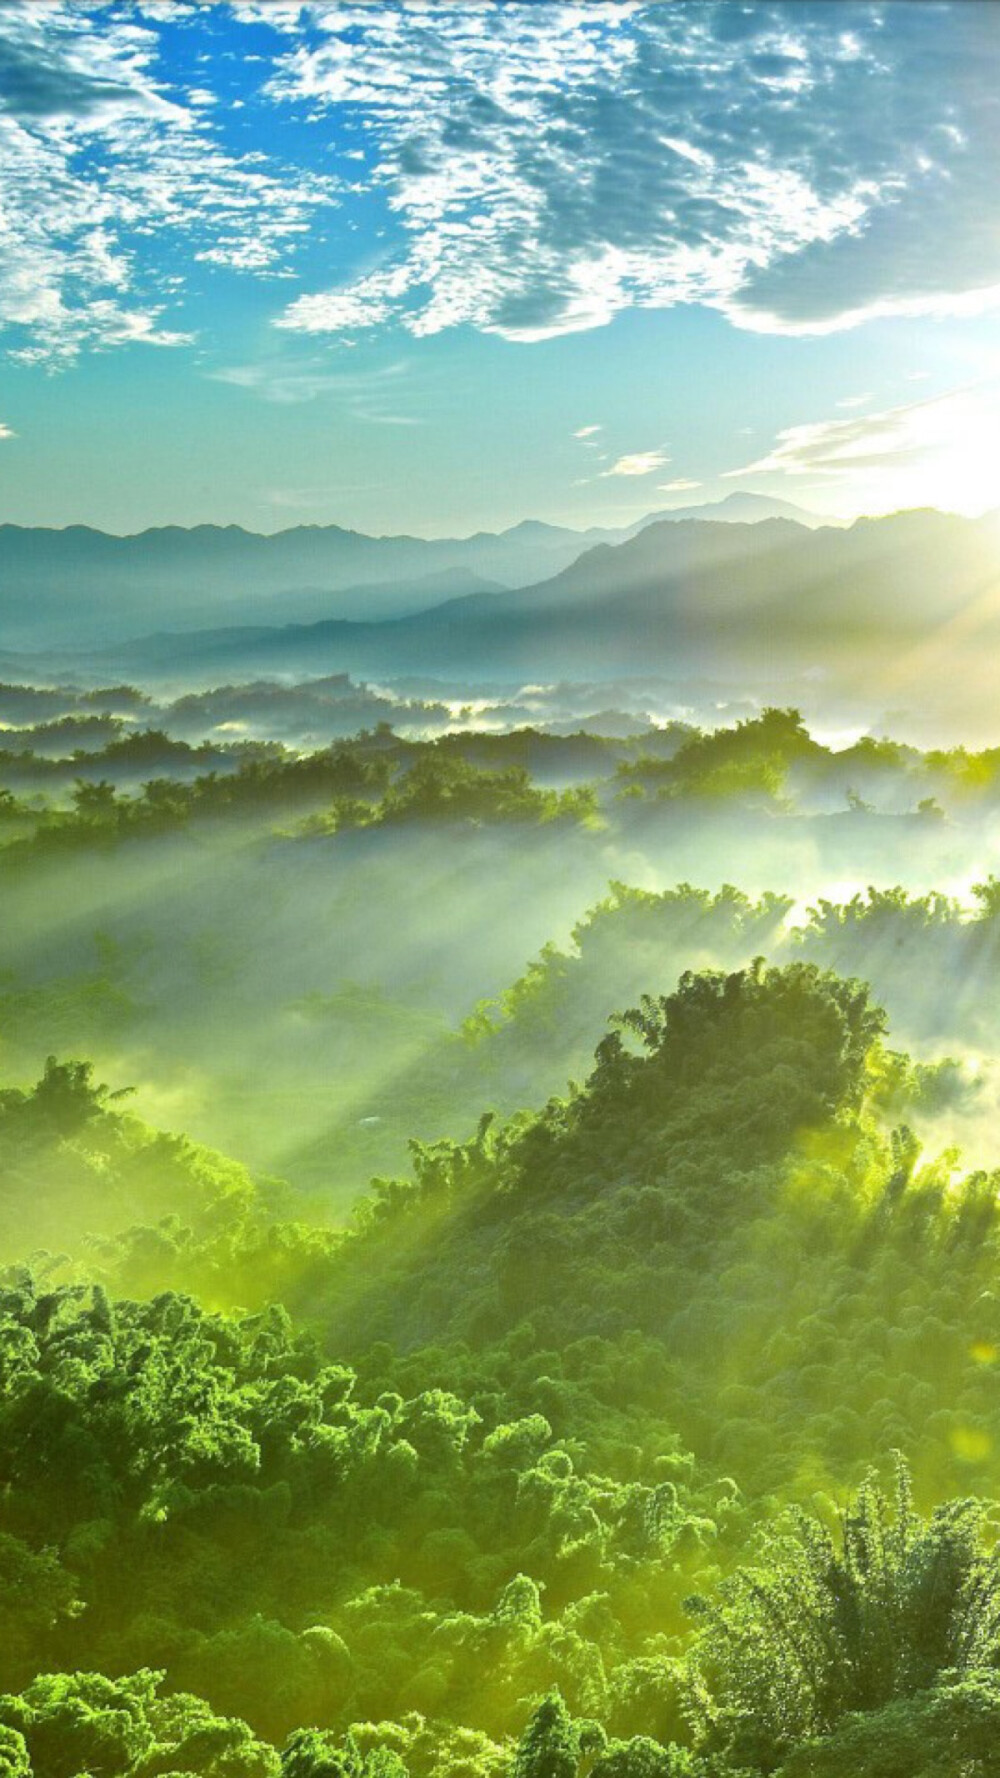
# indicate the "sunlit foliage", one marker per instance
pixel 641 1419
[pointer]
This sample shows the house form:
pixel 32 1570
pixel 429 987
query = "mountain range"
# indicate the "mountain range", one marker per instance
pixel 86 588
pixel 897 609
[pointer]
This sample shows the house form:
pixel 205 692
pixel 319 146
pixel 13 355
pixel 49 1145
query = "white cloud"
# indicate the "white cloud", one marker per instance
pixel 801 168
pixel 798 167
pixel 5 431
pixel 947 301
pixel 637 463
pixel 280 15
pixel 96 162
pixel 373 396
pixel 849 401
pixel 681 486
pixel 941 452
pixel 586 431
pixel 365 304
pixel 167 11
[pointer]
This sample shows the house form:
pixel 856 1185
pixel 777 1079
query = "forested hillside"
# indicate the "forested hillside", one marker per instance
pixel 525 1429
pixel 637 1417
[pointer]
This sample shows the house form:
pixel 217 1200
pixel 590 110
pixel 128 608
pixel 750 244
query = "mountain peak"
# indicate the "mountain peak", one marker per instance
pixel 741 507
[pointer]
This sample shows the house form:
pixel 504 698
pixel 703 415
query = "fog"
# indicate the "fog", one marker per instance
pixel 302 993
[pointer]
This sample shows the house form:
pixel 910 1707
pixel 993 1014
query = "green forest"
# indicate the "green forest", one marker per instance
pixel 480 1297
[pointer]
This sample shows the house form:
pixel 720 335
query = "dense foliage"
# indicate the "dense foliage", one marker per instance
pixel 650 1432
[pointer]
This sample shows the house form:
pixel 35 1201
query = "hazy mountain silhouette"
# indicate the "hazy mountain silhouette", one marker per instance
pixel 85 587
pixel 884 601
pixel 740 509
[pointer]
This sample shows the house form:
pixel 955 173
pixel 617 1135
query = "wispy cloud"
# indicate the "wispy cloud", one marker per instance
pixel 313 499
pixel 800 168
pixel 681 486
pixel 6 432
pixel 942 451
pixel 586 431
pixel 637 463
pixel 371 395
pixel 366 303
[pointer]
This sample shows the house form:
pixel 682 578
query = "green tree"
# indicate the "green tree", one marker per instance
pixel 830 1625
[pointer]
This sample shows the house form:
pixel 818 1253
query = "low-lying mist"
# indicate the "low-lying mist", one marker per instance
pixel 283 950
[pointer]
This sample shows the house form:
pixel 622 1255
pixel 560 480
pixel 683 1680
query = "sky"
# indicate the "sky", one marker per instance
pixel 439 268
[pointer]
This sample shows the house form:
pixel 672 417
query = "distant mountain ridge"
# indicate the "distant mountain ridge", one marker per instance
pixel 83 587
pixel 740 508
pixel 888 604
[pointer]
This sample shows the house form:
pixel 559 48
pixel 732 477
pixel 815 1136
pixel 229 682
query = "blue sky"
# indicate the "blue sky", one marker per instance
pixel 437 267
